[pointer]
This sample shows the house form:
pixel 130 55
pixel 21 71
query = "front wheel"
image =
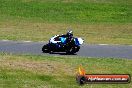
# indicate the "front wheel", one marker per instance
pixel 73 50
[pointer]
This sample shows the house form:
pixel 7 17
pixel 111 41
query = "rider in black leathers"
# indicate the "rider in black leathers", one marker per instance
pixel 68 36
pixel 56 39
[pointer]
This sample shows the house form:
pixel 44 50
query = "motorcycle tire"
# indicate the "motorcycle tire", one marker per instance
pixel 72 50
pixel 45 49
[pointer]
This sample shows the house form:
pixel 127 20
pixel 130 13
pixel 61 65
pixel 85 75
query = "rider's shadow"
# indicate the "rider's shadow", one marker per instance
pixel 62 53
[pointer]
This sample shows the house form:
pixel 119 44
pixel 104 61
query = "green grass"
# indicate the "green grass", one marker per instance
pixel 32 71
pixel 70 12
pixel 97 21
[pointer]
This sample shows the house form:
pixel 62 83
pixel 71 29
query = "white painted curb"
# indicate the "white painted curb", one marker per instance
pixel 26 41
pixel 103 44
pixel 45 42
pixel 5 40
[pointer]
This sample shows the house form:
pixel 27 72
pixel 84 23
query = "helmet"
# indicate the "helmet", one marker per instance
pixel 69 34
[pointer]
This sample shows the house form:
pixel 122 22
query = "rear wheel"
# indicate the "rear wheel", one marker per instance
pixel 45 49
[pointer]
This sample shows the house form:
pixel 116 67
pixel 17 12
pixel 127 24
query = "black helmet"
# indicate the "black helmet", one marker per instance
pixel 69 34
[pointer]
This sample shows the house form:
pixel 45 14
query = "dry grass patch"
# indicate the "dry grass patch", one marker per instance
pixel 41 67
pixel 91 33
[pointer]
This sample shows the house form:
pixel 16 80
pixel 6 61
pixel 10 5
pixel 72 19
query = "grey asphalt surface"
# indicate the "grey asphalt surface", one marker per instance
pixel 110 51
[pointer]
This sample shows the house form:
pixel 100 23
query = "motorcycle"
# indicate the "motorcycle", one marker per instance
pixel 69 47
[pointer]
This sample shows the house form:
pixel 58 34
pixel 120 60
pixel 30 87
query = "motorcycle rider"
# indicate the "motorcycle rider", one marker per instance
pixel 57 38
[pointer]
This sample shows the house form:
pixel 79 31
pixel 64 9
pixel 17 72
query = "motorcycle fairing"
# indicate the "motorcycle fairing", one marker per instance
pixel 78 41
pixel 63 40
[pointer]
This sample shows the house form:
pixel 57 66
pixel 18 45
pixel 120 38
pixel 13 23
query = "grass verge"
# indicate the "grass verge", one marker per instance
pixel 32 71
pixel 91 33
pixel 97 21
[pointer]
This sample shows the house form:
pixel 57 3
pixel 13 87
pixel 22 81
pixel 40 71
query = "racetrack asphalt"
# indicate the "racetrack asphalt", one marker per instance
pixel 87 50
